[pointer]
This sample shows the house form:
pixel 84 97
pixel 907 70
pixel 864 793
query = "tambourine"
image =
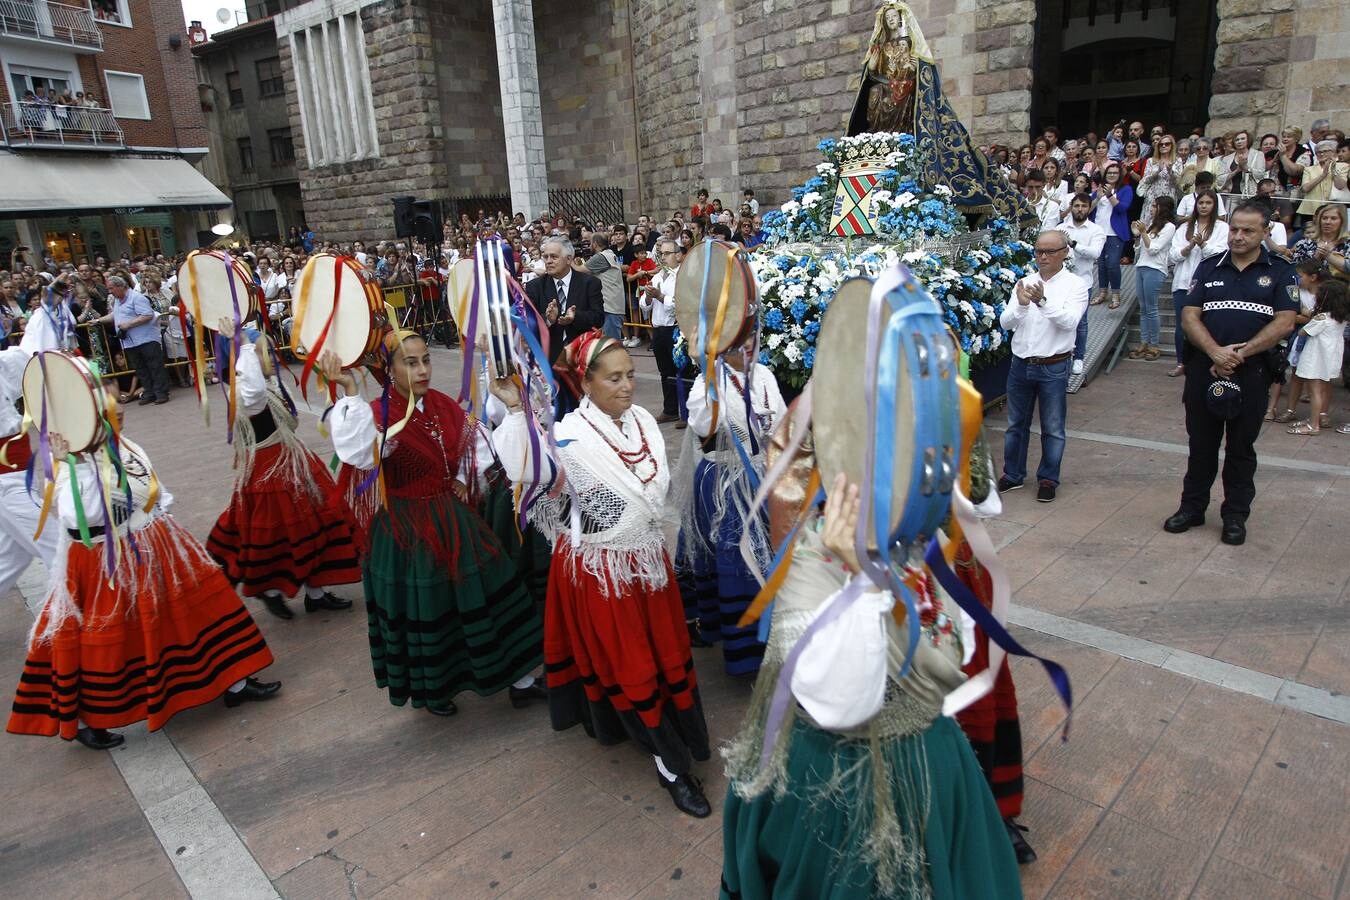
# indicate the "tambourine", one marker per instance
pixel 215 285
pixel 895 349
pixel 65 390
pixel 711 270
pixel 336 309
pixel 494 306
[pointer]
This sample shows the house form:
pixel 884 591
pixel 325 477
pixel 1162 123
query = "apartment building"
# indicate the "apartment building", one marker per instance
pixel 100 120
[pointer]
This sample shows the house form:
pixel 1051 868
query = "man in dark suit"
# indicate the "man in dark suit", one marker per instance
pixel 570 301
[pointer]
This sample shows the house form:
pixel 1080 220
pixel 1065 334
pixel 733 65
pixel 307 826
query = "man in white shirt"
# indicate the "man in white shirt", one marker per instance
pixel 1047 208
pixel 1204 181
pixel 1042 317
pixel 1086 240
pixel 657 300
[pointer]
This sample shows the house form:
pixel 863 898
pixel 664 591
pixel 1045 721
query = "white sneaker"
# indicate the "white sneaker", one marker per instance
pixel 1078 367
pixel 631 342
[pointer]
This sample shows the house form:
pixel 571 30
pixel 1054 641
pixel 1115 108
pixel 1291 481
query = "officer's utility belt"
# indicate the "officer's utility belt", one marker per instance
pixel 1047 360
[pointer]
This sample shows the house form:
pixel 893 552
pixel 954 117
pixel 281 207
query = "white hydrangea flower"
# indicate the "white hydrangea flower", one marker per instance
pixel 906 200
pixel 810 199
pixel 825 169
pixel 774 341
pixel 942 190
pixel 793 352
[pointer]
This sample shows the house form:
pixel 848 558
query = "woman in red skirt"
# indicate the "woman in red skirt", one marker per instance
pixel 285 530
pixel 165 633
pixel 616 649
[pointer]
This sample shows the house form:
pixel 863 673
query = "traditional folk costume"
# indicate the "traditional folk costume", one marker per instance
pixel 616 650
pixel 446 610
pixel 991 723
pixel 166 632
pixel 885 800
pixel 18 512
pixel 285 528
pixel 715 580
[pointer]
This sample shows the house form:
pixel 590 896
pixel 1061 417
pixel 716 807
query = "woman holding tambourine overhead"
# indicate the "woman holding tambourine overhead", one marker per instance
pixel 139 624
pixel 447 611
pixel 283 532
pixel 616 649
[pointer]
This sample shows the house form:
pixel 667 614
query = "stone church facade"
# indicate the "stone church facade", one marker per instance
pixel 462 98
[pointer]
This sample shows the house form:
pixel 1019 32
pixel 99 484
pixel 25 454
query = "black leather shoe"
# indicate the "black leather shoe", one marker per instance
pixel 1234 531
pixel 276 605
pixel 253 689
pixel 695 636
pixel 1006 484
pixel 146 400
pixel 687 793
pixel 99 738
pixel 522 696
pixel 160 401
pixel 1183 520
pixel 449 709
pixel 1021 849
pixel 327 601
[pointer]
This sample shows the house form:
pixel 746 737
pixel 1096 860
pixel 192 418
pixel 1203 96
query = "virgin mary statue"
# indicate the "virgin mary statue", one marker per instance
pixel 901 92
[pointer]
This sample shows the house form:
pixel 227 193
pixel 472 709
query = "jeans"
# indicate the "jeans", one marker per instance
pixel 1206 432
pixel 1150 280
pixel 148 361
pixel 1029 386
pixel 1108 264
pixel 613 326
pixel 1179 301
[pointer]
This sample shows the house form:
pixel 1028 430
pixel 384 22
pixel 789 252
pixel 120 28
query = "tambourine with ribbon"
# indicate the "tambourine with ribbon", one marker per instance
pixel 63 395
pixel 899 423
pixel 215 285
pixel 336 309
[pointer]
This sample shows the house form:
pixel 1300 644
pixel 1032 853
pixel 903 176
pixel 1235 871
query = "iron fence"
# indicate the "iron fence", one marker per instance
pixel 591 205
pixel 48 21
pixel 46 124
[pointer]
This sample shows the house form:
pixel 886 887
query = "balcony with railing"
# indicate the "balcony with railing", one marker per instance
pixel 50 126
pixel 54 23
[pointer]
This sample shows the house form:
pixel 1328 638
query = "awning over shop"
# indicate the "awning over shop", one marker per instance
pixel 40 184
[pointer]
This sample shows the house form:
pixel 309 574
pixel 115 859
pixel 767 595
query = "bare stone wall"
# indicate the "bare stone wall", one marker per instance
pixel 586 94
pixel 666 71
pixel 1280 62
pixel 465 59
pixel 352 200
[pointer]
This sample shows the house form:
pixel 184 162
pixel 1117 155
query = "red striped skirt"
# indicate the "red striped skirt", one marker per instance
pixel 276 536
pixel 169 634
pixel 628 652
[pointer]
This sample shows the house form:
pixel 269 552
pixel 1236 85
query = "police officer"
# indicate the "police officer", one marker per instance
pixel 1240 305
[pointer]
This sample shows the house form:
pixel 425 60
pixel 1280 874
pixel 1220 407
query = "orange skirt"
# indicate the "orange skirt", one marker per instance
pixel 169 633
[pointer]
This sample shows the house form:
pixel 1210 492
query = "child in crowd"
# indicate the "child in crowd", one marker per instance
pixel 1311 274
pixel 1322 353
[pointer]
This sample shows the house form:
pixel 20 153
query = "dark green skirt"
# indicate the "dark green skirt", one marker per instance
pixel 809 842
pixel 529 550
pixel 432 635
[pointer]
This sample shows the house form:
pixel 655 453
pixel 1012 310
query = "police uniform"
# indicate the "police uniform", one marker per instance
pixel 1234 306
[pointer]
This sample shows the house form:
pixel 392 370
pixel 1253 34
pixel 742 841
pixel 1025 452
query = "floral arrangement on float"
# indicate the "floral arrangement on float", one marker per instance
pixel 805 257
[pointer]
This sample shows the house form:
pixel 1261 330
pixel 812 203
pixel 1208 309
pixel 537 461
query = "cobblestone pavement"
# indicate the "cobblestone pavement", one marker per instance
pixel 1209 755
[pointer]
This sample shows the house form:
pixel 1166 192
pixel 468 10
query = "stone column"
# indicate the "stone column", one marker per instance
pixel 717 80
pixel 518 71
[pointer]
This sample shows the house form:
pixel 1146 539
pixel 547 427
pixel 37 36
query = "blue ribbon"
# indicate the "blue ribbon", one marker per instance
pixel 995 631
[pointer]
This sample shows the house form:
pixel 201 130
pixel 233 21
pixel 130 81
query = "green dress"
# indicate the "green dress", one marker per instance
pixel 446 609
pixel 897 808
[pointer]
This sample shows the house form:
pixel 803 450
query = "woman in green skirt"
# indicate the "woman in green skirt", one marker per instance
pixel 867 790
pixel 446 609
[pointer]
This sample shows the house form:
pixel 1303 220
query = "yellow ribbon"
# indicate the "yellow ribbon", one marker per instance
pixel 771 587
pixel 710 354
